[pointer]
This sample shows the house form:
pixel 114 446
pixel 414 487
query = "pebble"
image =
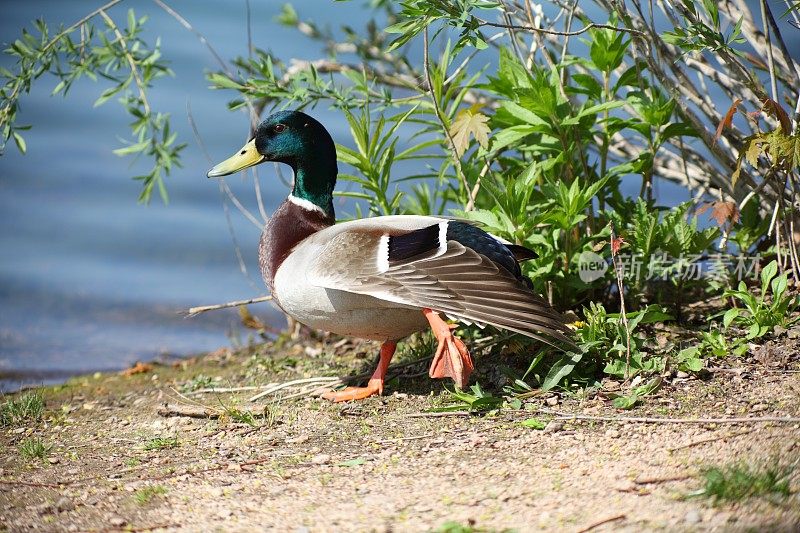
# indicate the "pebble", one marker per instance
pixel 42 508
pixel 53 460
pixel 298 440
pixel 613 433
pixel 757 408
pixel 554 426
pixel 64 504
pixel 551 401
pixel 225 513
pixel 117 521
pixel 681 374
pixel 321 459
pixel 693 517
pixel 215 492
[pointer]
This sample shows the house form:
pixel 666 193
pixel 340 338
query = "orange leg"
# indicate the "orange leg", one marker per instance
pixel 375 385
pixel 452 358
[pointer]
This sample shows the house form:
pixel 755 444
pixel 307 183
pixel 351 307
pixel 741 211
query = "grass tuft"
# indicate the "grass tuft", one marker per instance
pixel 27 407
pixel 739 481
pixel 161 443
pixel 469 527
pixel 34 448
pixel 145 495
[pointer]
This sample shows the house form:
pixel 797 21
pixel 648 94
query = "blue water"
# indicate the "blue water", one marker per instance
pixel 91 280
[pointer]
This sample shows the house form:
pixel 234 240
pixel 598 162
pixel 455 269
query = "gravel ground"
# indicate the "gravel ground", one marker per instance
pixel 309 465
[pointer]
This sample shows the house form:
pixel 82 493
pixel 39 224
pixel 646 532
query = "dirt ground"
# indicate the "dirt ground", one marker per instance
pixel 388 463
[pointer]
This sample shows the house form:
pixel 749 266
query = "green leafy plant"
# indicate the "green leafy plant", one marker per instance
pixel 201 381
pixel 602 339
pixel 628 401
pixel 712 344
pixel 667 247
pixel 759 316
pixel 533 423
pixel 475 400
pixel 736 482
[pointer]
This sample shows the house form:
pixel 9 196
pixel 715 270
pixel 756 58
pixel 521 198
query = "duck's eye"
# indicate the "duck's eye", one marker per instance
pixel 279 128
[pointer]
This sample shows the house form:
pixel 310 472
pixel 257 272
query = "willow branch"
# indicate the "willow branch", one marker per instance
pixel 131 61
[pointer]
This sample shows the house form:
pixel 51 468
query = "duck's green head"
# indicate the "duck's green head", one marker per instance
pixel 300 141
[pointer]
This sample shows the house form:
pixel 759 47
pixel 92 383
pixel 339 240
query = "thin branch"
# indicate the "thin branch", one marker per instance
pixel 82 21
pixel 581 31
pixel 440 116
pixel 710 439
pixel 185 23
pixel 131 61
pixel 601 522
pixel 770 58
pixel 194 311
pixel 655 480
pixel 623 314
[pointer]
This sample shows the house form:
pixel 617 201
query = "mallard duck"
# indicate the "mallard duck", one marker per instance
pixel 386 277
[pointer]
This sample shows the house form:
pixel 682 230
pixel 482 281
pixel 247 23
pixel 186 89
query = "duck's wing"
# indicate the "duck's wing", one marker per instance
pixel 444 265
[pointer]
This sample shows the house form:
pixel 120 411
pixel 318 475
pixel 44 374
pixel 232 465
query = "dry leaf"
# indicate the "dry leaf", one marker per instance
pixel 774 108
pixel 138 368
pixel 726 121
pixel 721 212
pixel 616 244
pixel 249 321
pixel 469 122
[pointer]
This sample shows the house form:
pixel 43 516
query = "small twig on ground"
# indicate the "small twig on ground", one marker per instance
pixel 14 482
pixel 192 411
pixel 438 414
pixel 223 390
pixel 400 439
pixel 658 420
pixel 134 529
pixel 194 311
pixel 601 522
pixel 655 480
pixel 709 439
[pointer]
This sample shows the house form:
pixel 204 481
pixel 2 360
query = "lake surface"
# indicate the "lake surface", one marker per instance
pixel 89 279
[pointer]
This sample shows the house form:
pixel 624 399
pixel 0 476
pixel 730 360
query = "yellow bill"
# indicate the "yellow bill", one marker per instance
pixel 246 157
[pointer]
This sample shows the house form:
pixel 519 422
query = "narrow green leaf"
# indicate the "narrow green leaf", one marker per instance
pixel 20 142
